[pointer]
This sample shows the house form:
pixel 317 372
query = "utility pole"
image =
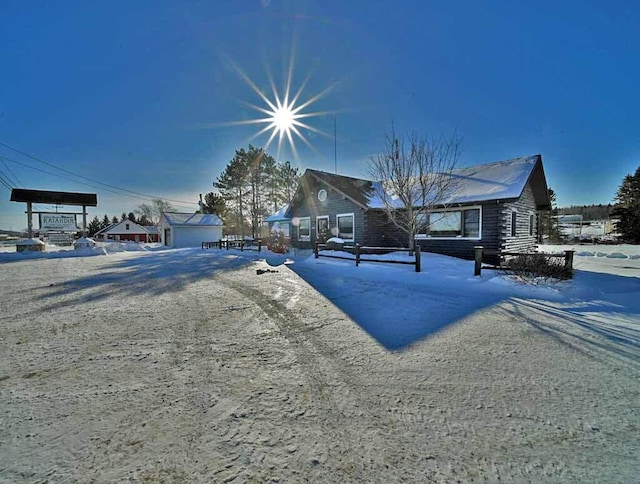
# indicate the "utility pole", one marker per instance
pixel 335 145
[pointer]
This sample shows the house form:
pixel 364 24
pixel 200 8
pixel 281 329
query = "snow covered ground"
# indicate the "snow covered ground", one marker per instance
pixel 188 365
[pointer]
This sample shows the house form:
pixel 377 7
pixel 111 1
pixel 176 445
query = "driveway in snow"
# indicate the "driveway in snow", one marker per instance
pixel 189 366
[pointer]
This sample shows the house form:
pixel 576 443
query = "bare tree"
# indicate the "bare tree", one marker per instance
pixel 414 176
pixel 154 211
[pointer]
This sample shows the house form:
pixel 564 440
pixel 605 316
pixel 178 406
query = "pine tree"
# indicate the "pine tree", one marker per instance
pixel 131 216
pixel 214 203
pixel 94 226
pixel 548 220
pixel 627 208
pixel 288 179
pixel 114 220
pixel 105 222
pixel 232 186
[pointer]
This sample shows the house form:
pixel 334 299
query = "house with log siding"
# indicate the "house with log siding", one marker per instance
pixel 494 205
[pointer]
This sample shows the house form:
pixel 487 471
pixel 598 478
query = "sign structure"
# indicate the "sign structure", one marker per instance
pixel 67 220
pixel 58 221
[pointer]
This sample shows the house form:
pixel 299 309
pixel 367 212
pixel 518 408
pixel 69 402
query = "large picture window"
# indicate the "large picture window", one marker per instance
pixel 346 228
pixel 445 224
pixel 463 223
pixel 304 229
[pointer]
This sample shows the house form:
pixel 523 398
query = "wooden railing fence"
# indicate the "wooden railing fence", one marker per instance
pixel 243 245
pixel 359 251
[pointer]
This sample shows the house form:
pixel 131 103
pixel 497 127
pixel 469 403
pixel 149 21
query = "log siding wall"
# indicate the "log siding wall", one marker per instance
pixel 523 207
pixel 373 228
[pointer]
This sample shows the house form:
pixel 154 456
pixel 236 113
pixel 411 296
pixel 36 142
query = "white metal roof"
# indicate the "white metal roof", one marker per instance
pixel 194 219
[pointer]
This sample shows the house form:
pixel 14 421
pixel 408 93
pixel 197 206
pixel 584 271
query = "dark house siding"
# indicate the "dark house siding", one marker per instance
pixel 336 203
pixel 373 228
pixel 464 248
pixel 523 208
pixel 381 232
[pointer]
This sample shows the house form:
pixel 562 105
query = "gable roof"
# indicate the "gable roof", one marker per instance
pixel 278 216
pixel 500 180
pixel 116 229
pixel 192 219
pixel 355 189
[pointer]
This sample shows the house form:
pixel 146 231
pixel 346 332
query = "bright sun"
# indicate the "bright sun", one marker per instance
pixel 284 112
pixel 283 119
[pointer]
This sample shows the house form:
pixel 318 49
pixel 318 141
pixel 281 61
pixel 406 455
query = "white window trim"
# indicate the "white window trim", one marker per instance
pixel 456 209
pixel 353 217
pixel 304 238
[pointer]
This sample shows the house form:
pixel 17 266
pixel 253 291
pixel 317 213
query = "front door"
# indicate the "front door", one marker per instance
pixel 167 234
pixel 322 229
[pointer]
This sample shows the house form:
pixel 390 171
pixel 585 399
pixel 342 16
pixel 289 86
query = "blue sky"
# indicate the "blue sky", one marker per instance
pixel 139 95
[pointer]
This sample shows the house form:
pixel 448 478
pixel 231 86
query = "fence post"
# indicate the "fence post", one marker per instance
pixel 478 267
pixel 227 244
pixel 568 259
pixel 315 249
pixel 220 244
pixel 259 245
pixel 242 245
pixel 418 259
pixel 357 255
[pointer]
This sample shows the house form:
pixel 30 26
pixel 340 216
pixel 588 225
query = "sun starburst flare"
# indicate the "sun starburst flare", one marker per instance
pixel 284 112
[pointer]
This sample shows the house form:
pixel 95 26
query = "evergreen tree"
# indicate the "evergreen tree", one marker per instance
pixel 251 186
pixel 232 186
pixel 214 203
pixel 114 220
pixel 131 216
pixel 123 217
pixel 94 226
pixel 549 222
pixel 105 222
pixel 288 177
pixel 627 208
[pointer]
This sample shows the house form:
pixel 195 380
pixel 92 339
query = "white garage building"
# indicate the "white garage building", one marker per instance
pixel 189 229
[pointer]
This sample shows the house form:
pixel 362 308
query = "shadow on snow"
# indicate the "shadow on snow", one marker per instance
pixel 148 274
pixel 398 307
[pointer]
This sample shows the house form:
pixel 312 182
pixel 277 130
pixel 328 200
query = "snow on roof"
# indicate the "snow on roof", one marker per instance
pixel 107 228
pixel 493 181
pixel 200 219
pixel 279 215
pixel 134 227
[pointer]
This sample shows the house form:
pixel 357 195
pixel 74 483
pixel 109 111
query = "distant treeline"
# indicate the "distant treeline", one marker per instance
pixel 588 212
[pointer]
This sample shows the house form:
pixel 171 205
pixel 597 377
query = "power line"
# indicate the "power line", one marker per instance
pixel 7 179
pixel 15 177
pixel 69 179
pixel 4 181
pixel 146 196
pixel 76 181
